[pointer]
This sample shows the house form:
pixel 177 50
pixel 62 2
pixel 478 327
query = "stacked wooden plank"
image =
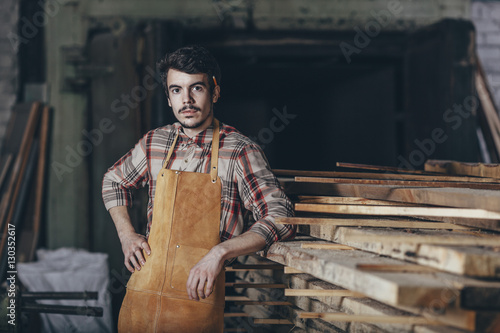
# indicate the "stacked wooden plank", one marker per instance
pixel 22 178
pixel 387 252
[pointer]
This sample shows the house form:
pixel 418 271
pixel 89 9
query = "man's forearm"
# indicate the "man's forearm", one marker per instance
pixel 248 242
pixel 121 219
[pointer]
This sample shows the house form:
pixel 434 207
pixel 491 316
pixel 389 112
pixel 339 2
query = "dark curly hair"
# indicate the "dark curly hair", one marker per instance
pixel 193 59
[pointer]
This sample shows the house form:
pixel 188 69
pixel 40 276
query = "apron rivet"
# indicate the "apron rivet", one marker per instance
pixel 178 246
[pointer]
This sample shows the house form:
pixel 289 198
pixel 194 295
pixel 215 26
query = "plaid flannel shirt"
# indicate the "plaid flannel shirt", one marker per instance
pixel 248 185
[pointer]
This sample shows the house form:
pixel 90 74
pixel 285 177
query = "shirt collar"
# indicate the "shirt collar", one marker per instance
pixel 201 139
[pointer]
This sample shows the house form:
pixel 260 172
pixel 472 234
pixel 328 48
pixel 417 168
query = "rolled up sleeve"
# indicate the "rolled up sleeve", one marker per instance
pixel 262 194
pixel 127 173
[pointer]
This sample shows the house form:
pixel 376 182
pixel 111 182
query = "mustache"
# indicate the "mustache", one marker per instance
pixel 189 107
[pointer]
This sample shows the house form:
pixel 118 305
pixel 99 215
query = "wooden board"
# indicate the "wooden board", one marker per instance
pixel 40 180
pixel 450 197
pixel 349 201
pixel 381 168
pixel 7 205
pixel 400 289
pixel 397 211
pixel 457 259
pixel 462 168
pixel 441 237
pixel 360 222
pixel 408 183
pixel 464 319
pixel 385 175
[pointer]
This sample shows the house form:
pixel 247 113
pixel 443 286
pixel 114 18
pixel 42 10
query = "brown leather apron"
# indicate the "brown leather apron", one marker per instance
pixel 186 219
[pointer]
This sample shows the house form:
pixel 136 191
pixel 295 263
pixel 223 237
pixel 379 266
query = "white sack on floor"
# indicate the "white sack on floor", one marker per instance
pixel 70 270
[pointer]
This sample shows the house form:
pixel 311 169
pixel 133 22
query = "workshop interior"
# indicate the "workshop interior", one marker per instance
pixel 379 118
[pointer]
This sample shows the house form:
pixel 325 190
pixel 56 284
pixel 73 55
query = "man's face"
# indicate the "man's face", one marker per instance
pixel 190 99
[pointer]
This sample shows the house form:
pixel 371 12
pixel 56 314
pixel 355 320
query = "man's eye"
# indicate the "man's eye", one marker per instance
pixel 197 88
pixel 175 91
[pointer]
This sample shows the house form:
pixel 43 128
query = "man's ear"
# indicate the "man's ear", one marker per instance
pixel 216 94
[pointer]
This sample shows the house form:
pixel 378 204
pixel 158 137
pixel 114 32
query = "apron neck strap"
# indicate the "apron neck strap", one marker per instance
pixel 214 161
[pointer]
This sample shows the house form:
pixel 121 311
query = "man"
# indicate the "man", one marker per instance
pixel 191 76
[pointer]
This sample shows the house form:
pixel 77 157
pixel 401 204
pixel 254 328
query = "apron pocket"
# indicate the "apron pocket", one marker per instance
pixel 184 259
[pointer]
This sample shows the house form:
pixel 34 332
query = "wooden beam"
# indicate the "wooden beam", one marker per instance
pixel 395 268
pixel 291 270
pixel 465 319
pixel 325 246
pixel 241 268
pixel 235 314
pixel 380 168
pixel 451 197
pixel 409 183
pixel 405 320
pixel 236 298
pixel 349 201
pixel 463 168
pixel 255 285
pixel 323 293
pixel 355 222
pixel 457 259
pixel 408 289
pixel 273 303
pixel 271 321
pixel 393 176
pixel 348 235
pixel 397 211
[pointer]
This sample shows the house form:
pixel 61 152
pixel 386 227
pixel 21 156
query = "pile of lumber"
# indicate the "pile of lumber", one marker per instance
pixel 382 250
pixel 22 179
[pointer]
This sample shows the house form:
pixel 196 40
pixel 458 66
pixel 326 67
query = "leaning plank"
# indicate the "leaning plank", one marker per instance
pixel 8 202
pixel 393 176
pixel 40 179
pixel 451 197
pixel 357 222
pixel 6 162
pixel 463 168
pixel 397 211
pixel 457 259
pixel 409 183
pixel 405 289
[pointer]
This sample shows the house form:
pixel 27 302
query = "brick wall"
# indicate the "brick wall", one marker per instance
pixel 486 17
pixel 9 15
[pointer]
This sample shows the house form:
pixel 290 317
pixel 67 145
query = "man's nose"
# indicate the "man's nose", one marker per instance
pixel 187 97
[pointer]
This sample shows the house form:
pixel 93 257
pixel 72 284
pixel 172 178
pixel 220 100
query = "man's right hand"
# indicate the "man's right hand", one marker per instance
pixel 134 246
